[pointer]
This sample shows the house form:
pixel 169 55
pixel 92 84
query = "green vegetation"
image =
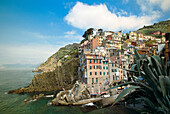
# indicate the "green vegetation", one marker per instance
pixel 70 50
pixel 155 86
pixel 87 32
pixel 161 26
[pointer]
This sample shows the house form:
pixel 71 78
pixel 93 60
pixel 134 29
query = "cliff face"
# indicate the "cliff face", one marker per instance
pixel 59 71
pixel 63 55
pixel 62 77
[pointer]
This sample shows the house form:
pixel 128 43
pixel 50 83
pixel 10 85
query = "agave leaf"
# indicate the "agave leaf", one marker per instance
pixel 162 84
pixel 134 84
pixel 137 55
pixel 124 80
pixel 129 70
pixel 138 62
pixel 136 78
pixel 124 92
pixel 167 84
pixel 161 102
pixel 157 58
pixel 160 110
pixel 149 76
pixel 157 65
pixel 150 103
pixel 123 84
pixel 149 59
pixel 163 63
pixel 155 77
pixel 133 67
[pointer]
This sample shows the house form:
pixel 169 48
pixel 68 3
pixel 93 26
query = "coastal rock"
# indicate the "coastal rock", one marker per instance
pixel 62 77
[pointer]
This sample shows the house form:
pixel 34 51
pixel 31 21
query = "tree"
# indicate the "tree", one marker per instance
pixel 87 32
pixel 127 35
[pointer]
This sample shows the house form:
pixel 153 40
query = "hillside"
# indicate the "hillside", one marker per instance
pixel 62 77
pixel 161 26
pixel 63 55
pixel 59 71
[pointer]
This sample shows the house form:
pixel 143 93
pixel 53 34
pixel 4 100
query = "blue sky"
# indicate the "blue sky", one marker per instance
pixel 32 30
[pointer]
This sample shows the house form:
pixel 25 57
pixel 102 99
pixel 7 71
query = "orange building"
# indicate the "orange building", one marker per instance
pixel 95 42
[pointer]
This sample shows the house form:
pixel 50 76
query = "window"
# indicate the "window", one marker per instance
pixel 90 73
pixel 107 73
pixel 96 80
pixel 100 67
pixel 90 60
pixel 103 67
pixel 100 73
pixel 94 61
pixel 115 65
pixel 107 67
pixel 113 77
pixel 90 67
pixel 95 73
pixel 103 62
pixel 99 61
pixel 106 62
pixel 92 80
pixel 113 70
pixel 112 65
pixel 103 73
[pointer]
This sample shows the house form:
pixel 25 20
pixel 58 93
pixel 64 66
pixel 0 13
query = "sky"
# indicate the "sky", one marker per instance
pixel 33 30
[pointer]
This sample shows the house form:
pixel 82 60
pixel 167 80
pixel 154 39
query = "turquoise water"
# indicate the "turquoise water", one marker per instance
pixel 14 103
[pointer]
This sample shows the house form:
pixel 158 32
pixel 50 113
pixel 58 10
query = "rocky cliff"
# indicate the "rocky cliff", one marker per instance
pixel 62 76
pixel 63 55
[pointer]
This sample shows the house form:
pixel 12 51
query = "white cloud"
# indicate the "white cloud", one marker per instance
pixel 165 5
pixel 122 12
pixel 70 32
pixel 84 16
pixel 26 54
pixel 151 6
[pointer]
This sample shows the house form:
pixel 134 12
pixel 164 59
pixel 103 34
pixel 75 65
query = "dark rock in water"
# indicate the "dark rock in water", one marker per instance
pixel 62 77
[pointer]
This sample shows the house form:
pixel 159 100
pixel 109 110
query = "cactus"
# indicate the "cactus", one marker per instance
pixel 155 83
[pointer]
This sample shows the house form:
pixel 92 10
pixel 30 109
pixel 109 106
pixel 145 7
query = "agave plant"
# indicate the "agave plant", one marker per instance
pixel 155 84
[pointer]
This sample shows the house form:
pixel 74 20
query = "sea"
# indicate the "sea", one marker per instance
pixel 11 79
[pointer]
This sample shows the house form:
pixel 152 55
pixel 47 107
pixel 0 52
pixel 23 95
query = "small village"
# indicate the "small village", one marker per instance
pixel 108 70
pixel 104 56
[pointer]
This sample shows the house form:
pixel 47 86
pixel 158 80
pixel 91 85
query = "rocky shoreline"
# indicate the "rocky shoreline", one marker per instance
pixel 63 76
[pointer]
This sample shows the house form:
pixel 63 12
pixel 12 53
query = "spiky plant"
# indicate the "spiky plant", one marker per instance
pixel 155 84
